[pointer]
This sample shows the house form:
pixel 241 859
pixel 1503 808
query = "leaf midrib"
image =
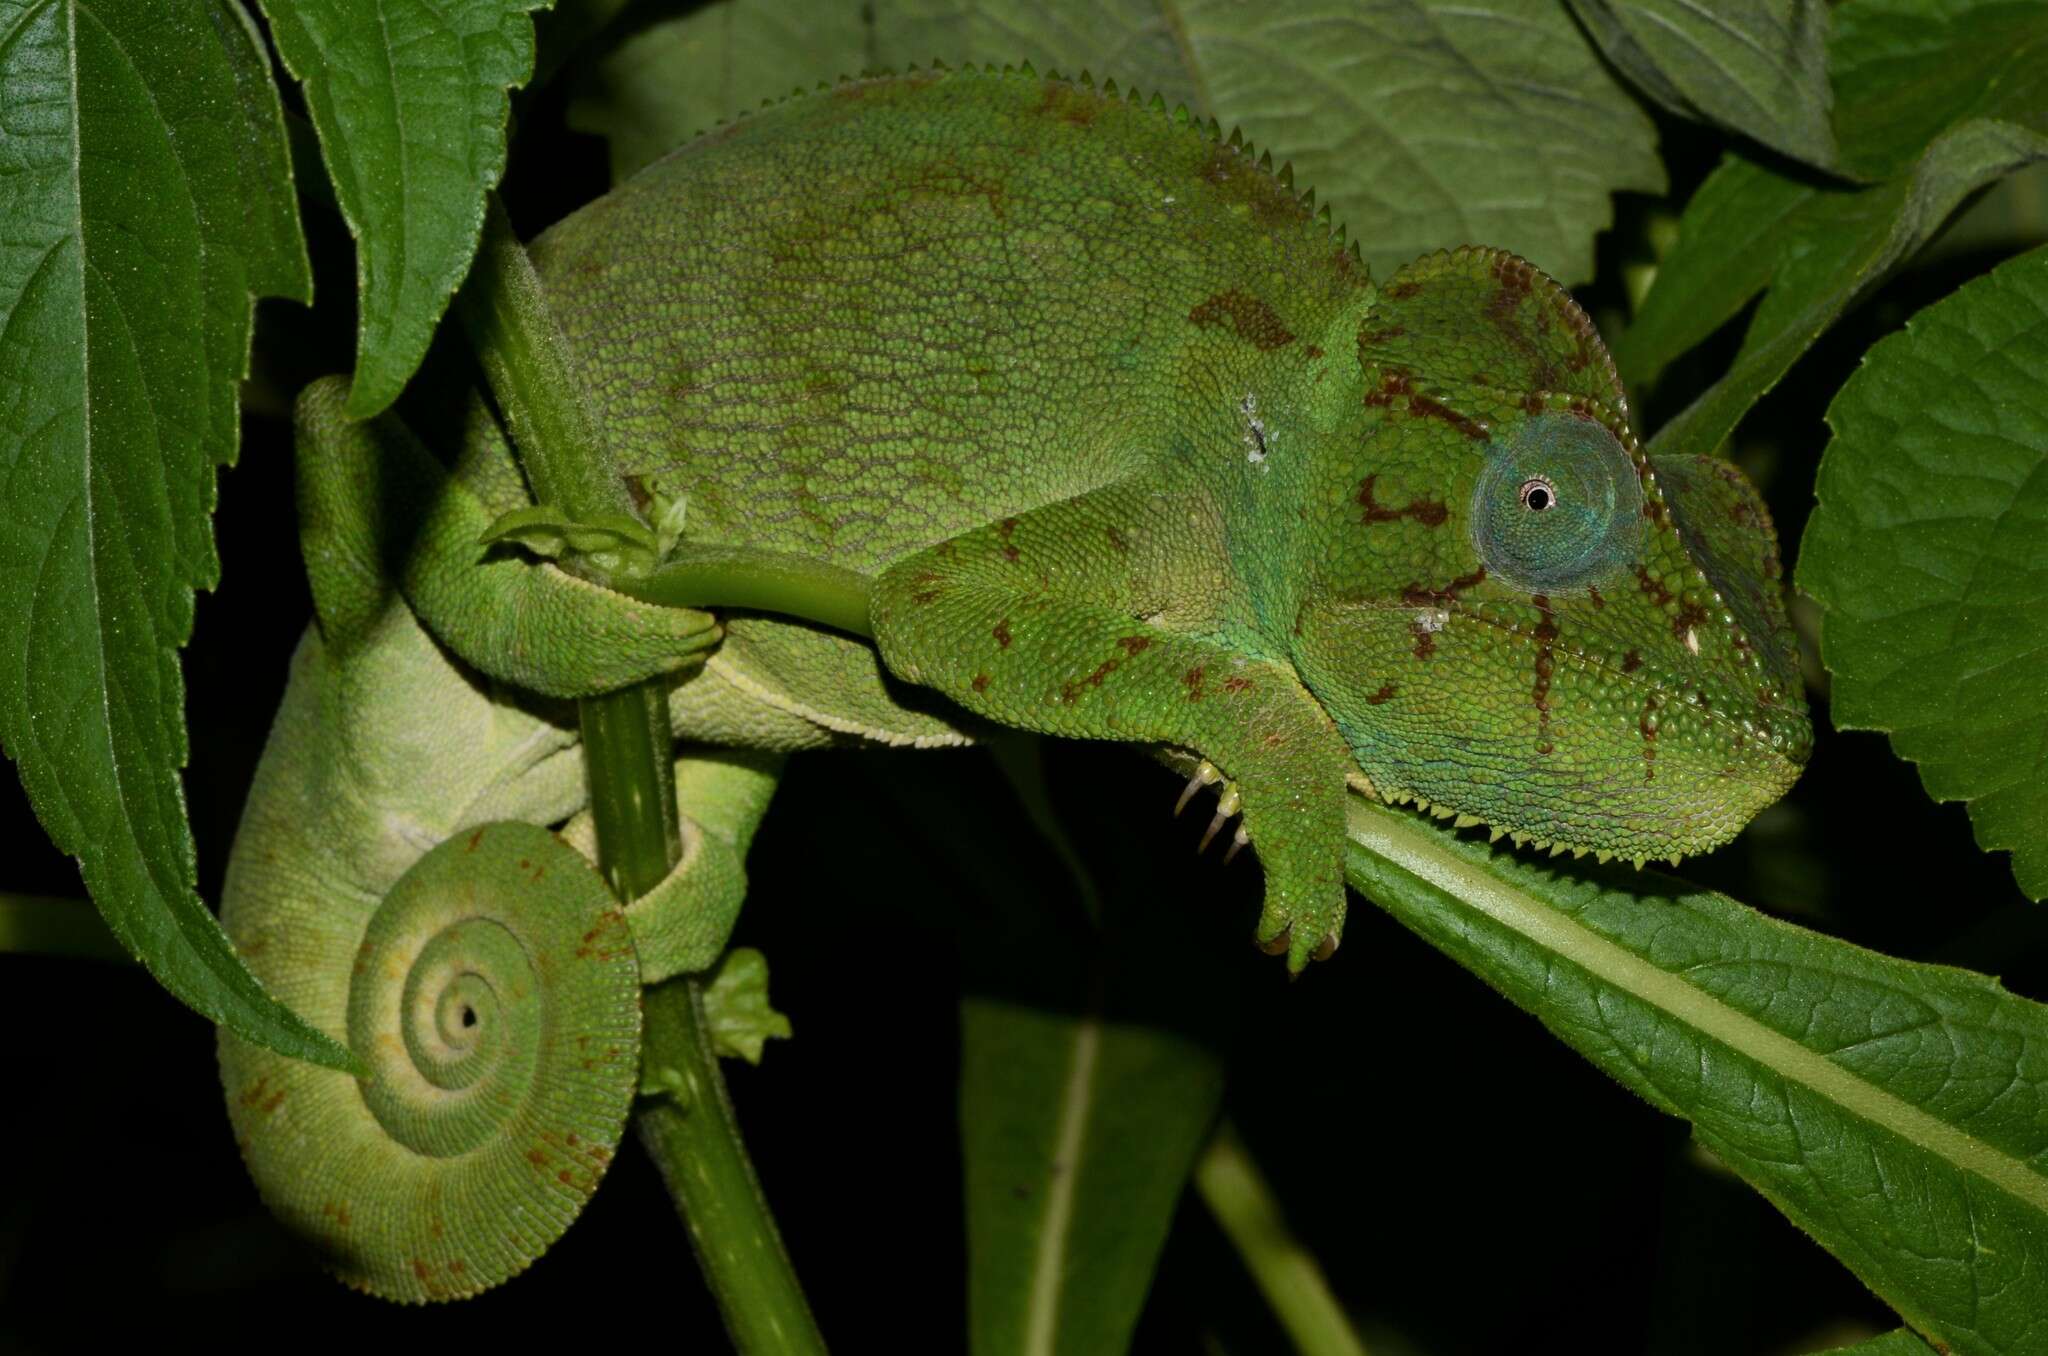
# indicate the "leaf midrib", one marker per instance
pixel 1607 961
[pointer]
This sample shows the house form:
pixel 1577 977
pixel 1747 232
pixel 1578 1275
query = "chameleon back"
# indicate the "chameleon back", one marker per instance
pixel 1038 252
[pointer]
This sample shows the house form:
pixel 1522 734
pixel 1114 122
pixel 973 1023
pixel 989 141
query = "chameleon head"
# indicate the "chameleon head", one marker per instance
pixel 1517 617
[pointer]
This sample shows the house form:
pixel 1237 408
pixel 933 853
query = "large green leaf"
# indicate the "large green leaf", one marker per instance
pixel 1758 67
pixel 1079 1129
pixel 409 99
pixel 1933 101
pixel 1425 123
pixel 1892 1110
pixel 148 202
pixel 1929 550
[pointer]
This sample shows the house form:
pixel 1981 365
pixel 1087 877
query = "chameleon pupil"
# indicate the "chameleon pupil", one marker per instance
pixel 1537 495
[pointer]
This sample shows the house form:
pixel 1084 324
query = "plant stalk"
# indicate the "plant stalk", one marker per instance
pixel 1285 1271
pixel 688 1127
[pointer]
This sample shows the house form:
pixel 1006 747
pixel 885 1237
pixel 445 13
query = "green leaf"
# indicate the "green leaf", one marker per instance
pixel 1758 67
pixel 1934 101
pixel 1897 1342
pixel 1894 1111
pixel 148 202
pixel 1929 550
pixel 1079 1129
pixel 409 99
pixel 736 1007
pixel 1424 123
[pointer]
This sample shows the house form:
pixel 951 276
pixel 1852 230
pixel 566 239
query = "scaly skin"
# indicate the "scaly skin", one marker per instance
pixel 1132 448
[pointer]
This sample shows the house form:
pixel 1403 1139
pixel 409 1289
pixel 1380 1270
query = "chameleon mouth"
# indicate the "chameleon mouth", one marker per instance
pixel 1772 732
pixel 1662 769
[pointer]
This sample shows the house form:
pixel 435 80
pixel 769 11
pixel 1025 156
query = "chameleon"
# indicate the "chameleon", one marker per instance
pixel 1116 437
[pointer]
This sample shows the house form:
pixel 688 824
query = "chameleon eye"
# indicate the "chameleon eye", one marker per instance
pixel 1558 505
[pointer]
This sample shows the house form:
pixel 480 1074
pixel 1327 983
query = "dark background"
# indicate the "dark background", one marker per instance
pixel 1469 1184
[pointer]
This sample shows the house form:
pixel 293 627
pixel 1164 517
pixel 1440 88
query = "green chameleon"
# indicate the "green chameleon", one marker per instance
pixel 1117 440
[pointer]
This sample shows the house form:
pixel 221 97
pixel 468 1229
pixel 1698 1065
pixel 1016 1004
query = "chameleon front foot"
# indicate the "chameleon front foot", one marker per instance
pixel 1276 930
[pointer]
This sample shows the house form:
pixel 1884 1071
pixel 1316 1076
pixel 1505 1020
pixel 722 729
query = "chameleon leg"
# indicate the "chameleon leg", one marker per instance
pixel 1102 618
pixel 375 505
pixel 681 925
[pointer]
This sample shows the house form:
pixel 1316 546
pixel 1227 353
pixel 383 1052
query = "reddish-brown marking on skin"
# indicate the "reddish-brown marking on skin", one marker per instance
pixel 1006 529
pixel 1192 681
pixel 565 1178
pixel 437 1229
pixel 1546 642
pixel 254 1093
pixel 1117 543
pixel 1425 640
pixel 1401 291
pixel 925 595
pixel 457 1267
pixel 537 1158
pixel 273 1101
pixel 338 1213
pixel 1649 734
pixel 1002 633
pixel 981 682
pixel 1533 403
pixel 1135 644
pixel 1235 685
pixel 1381 697
pixel 1631 661
pixel 600 1153
pixel 474 839
pixel 1431 409
pixel 1392 384
pixel 1256 322
pixel 1653 587
pixel 1312 351
pixel 1594 594
pixel 420 1269
pixel 1069 103
pixel 1689 615
pixel 1428 512
pixel 1274 740
pixel 1415 595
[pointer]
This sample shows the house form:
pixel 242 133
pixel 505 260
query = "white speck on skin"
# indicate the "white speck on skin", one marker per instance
pixel 1257 441
pixel 1692 641
pixel 1432 619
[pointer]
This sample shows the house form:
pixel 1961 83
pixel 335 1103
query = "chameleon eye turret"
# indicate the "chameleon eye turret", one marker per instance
pixel 1557 506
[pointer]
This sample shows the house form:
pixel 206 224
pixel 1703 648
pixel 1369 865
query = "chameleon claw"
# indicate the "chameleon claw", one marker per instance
pixel 1327 947
pixel 1206 774
pixel 1277 944
pixel 1227 806
pixel 1237 842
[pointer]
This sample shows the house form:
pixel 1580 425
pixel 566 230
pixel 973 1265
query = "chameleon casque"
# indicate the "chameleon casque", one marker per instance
pixel 1123 443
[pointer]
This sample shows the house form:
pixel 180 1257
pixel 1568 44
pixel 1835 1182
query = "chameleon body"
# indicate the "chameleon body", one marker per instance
pixel 1124 443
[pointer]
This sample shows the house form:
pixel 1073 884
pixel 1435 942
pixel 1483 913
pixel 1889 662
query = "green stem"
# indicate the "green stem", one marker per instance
pixel 1285 1271
pixel 691 1132
pixel 526 361
pixel 39 925
pixel 760 581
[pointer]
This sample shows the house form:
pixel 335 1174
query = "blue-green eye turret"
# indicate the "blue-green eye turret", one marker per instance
pixel 1557 506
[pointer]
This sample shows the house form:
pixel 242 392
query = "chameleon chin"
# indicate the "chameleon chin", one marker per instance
pixel 1120 441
